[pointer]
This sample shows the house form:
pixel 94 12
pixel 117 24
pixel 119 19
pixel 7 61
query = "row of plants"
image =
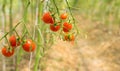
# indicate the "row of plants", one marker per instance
pixel 47 23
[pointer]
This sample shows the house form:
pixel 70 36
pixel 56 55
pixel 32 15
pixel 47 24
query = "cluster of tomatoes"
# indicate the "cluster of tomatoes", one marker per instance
pixel 28 45
pixel 48 18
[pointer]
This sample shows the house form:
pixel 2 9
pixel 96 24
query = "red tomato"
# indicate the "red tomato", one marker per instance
pixel 54 28
pixel 13 41
pixel 47 18
pixel 63 16
pixel 29 45
pixel 67 27
pixel 6 52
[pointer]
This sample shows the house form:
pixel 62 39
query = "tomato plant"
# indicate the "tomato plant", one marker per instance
pixel 47 18
pixel 29 45
pixel 63 16
pixel 67 27
pixel 7 52
pixel 41 14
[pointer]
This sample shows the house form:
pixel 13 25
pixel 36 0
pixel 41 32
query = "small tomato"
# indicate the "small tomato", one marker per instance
pixel 67 27
pixel 29 45
pixel 47 18
pixel 54 27
pixel 63 16
pixel 13 41
pixel 6 52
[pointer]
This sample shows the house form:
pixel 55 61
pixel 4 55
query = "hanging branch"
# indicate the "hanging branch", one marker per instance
pixel 72 16
pixel 56 7
pixel 10 17
pixel 10 30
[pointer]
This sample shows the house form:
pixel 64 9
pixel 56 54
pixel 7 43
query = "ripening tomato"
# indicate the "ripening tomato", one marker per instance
pixel 54 27
pixel 63 16
pixel 67 27
pixel 29 45
pixel 69 37
pixel 6 52
pixel 47 18
pixel 13 41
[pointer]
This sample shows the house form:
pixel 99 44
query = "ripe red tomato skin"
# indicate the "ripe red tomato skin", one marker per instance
pixel 54 28
pixel 7 53
pixel 13 41
pixel 67 27
pixel 29 46
pixel 63 16
pixel 47 18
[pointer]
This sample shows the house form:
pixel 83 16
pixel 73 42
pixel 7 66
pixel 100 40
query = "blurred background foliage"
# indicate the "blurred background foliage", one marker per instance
pixel 106 11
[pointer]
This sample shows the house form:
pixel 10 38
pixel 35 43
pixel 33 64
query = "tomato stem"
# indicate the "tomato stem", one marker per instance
pixel 57 9
pixel 16 33
pixel 10 30
pixel 72 16
pixel 7 43
pixel 24 33
pixel 27 31
pixel 10 16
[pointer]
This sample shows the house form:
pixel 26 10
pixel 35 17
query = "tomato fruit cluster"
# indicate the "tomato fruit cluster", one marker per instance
pixel 27 45
pixel 55 26
pixel 48 19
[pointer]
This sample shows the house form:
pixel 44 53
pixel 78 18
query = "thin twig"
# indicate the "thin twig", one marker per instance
pixel 72 16
pixel 10 30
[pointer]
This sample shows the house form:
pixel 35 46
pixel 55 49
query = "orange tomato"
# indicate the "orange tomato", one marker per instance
pixel 47 18
pixel 67 27
pixel 63 16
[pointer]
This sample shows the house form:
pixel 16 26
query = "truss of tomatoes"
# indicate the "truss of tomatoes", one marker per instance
pixel 66 26
pixel 28 45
